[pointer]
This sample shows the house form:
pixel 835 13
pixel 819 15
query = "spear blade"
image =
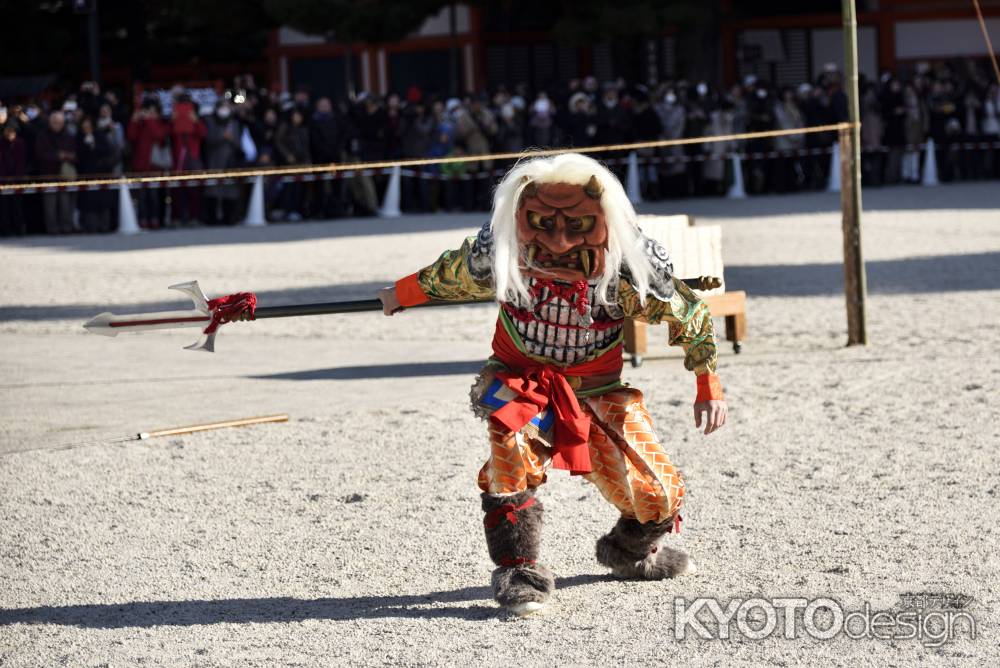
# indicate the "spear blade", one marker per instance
pixel 109 324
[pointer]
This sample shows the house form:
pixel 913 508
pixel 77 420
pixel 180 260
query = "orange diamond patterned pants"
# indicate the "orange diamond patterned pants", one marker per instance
pixel 629 465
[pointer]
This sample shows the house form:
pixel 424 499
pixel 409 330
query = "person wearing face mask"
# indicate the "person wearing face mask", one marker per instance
pixel 672 119
pixel 717 163
pixel 70 113
pixel 510 130
pixel 540 121
pixel 115 135
pixel 30 122
pixel 760 118
pixel 222 151
pixel 695 125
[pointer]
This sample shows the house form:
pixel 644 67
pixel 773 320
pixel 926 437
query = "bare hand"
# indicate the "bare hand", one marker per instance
pixel 390 304
pixel 715 413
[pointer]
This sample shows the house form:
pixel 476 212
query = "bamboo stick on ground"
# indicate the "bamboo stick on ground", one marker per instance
pixel 172 431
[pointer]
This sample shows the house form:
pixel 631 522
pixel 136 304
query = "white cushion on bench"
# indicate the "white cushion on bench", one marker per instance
pixel 695 251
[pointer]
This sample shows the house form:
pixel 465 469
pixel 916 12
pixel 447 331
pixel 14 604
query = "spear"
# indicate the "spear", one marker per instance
pixel 210 314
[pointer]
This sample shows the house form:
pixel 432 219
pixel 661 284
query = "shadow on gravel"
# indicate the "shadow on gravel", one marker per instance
pixel 145 614
pixel 411 370
pixel 931 274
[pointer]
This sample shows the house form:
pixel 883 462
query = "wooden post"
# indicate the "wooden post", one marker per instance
pixel 855 283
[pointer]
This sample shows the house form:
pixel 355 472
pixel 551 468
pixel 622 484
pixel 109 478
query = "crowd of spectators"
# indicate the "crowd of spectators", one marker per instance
pixel 93 132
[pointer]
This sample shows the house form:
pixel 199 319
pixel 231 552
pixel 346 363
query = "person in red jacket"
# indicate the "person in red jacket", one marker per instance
pixel 146 132
pixel 187 132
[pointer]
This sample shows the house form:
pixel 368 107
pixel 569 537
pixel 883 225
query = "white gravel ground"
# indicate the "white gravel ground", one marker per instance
pixel 352 534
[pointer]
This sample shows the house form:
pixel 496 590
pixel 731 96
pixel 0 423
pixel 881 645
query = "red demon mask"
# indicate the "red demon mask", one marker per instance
pixel 562 231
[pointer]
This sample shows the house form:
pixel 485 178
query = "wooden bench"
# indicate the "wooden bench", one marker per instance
pixel 694 251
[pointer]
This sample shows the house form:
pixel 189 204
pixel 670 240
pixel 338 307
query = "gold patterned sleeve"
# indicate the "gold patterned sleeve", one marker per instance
pixel 688 319
pixel 450 278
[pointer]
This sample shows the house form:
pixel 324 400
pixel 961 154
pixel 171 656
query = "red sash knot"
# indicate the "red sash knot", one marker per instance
pixel 540 387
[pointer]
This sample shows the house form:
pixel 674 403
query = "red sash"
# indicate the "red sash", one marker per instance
pixel 539 386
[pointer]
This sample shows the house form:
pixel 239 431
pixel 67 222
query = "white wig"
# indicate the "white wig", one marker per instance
pixel 624 243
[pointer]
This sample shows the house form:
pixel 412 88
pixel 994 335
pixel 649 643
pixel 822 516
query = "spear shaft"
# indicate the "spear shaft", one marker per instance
pixel 361 305
pixel 330 308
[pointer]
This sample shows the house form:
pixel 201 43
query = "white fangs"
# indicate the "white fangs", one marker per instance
pixel 581 259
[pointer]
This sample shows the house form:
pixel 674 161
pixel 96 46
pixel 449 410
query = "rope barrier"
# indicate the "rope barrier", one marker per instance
pixel 245 174
pixel 304 176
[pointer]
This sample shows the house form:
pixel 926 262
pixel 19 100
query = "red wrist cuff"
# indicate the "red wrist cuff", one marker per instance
pixel 408 291
pixel 709 388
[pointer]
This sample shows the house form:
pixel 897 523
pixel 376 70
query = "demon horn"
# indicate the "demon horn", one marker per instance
pixel 594 189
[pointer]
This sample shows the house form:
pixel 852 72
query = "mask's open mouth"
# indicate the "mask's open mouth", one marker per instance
pixel 581 260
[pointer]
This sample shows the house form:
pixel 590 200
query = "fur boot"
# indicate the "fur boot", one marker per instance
pixel 631 550
pixel 513 527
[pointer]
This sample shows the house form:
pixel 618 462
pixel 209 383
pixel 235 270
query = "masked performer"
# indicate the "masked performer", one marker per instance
pixel 567 263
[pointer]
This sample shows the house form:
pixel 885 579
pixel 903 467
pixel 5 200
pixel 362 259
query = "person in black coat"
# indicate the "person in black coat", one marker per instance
pixel 326 143
pixel 894 123
pixel 95 156
pixel 13 165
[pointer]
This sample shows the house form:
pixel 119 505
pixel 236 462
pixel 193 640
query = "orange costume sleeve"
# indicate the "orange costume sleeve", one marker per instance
pixel 709 388
pixel 408 291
